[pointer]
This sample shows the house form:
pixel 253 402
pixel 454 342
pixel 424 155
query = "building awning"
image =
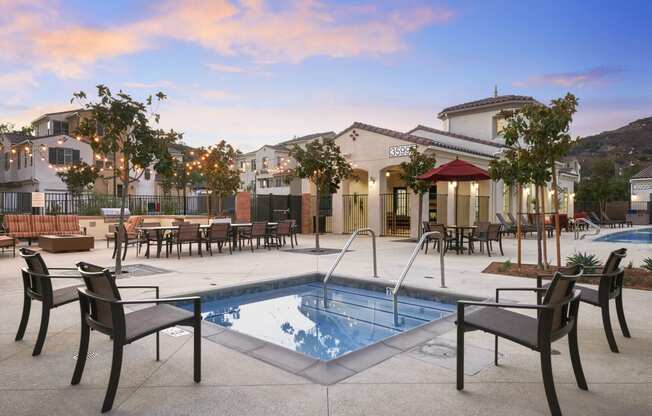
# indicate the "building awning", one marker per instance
pixel 457 170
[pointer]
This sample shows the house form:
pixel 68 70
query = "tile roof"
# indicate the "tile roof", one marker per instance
pixel 17 137
pixel 412 138
pixel 326 135
pixel 455 135
pixel 501 99
pixel 644 174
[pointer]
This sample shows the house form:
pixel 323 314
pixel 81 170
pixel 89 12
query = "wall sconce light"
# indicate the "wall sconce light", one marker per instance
pixel 372 180
pixel 387 174
pixel 453 184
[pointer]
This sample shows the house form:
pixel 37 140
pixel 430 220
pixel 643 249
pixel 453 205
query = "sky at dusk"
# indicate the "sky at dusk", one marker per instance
pixel 254 71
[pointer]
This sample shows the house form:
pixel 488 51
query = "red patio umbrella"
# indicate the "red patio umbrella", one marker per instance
pixel 456 170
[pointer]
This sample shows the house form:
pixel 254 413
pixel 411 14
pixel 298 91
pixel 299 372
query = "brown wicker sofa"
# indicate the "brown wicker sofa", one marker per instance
pixel 31 226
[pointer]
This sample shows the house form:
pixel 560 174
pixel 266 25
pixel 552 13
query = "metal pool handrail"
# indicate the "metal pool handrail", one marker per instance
pixel 343 252
pixel 590 224
pixel 409 265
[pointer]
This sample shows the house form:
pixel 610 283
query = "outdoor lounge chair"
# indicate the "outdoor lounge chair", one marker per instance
pixel 621 222
pixel 102 309
pixel 610 287
pixel 601 221
pixel 556 318
pixel 37 285
pixel 508 227
pixel 525 225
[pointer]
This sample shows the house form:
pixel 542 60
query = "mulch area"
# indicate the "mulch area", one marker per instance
pixel 635 278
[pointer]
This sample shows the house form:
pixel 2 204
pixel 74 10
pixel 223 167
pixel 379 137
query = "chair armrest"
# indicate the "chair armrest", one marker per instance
pixel 157 300
pixel 463 303
pixel 138 287
pixel 53 276
pixel 62 268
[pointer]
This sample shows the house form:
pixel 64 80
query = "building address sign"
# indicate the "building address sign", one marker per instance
pixel 400 151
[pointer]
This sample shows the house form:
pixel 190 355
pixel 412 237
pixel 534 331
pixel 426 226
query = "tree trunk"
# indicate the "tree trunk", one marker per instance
pixel 556 208
pixel 543 225
pixel 121 220
pixel 537 211
pixel 518 222
pixel 420 216
pixel 317 248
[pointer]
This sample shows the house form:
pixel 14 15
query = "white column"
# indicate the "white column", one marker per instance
pixel 373 201
pixel 450 203
pixel 473 203
pixel 338 211
pixel 414 214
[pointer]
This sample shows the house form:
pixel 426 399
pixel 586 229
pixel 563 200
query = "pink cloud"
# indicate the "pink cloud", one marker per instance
pixel 302 29
pixel 593 76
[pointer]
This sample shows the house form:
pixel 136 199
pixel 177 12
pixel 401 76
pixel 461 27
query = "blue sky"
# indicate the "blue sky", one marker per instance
pixel 255 71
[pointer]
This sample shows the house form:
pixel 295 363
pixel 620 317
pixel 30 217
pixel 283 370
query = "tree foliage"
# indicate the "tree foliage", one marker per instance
pixel 219 174
pixel 79 177
pixel 418 164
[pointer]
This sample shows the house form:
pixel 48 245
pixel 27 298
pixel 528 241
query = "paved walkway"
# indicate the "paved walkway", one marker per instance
pixel 235 384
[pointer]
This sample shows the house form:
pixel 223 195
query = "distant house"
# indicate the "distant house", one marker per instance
pixel 29 163
pixel 265 170
pixel 641 185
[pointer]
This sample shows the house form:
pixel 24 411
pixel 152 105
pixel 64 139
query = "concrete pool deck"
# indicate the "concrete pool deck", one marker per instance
pixel 418 381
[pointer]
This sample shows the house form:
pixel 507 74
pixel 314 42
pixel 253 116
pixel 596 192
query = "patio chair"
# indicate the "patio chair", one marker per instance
pixel 186 234
pixel 8 242
pixel 479 234
pixel 219 233
pixel 610 287
pixel 556 317
pixel 37 285
pixel 146 237
pixel 294 229
pixel 448 237
pixel 277 234
pixel 102 309
pixel 425 228
pixel 128 238
pixel 257 231
pixel 508 227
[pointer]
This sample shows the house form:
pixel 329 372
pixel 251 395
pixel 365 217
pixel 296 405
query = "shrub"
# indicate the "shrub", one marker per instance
pixel 647 264
pixel 589 261
pixel 630 265
pixel 505 266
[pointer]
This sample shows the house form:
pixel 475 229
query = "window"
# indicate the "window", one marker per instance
pixel 63 156
pixel 119 189
pixel 148 174
pixel 242 165
pixel 58 127
pixel 499 125
pixel 265 164
pixel 25 156
pixel 18 157
pixel 7 160
pixel 253 165
pixel 278 182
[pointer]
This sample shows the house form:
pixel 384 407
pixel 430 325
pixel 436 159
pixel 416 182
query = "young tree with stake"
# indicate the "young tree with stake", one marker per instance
pixel 418 164
pixel 118 124
pixel 324 165
pixel 217 166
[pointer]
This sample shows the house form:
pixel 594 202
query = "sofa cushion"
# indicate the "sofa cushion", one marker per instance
pixel 19 226
pixel 133 222
pixel 43 224
pixel 67 224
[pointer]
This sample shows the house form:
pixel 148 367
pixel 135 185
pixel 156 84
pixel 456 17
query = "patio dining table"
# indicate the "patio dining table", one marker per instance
pixel 459 235
pixel 161 230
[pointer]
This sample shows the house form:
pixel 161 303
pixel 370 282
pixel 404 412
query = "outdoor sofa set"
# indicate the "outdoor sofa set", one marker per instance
pixel 102 309
pixel 32 226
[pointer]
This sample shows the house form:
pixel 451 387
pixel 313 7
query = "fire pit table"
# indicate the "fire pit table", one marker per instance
pixel 61 243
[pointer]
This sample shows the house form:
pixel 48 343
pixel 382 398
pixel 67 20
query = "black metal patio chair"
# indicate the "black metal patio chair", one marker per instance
pixel 37 285
pixel 556 317
pixel 102 309
pixel 610 286
pixel 479 234
pixel 219 233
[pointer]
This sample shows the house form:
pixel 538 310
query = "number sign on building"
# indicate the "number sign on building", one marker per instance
pixel 400 151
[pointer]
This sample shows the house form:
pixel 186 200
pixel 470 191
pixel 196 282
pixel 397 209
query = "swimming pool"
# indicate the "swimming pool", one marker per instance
pixel 294 316
pixel 643 236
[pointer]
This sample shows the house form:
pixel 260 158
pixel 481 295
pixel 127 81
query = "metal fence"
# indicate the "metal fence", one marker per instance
pixel 273 208
pixel 91 204
pixel 355 212
pixel 395 214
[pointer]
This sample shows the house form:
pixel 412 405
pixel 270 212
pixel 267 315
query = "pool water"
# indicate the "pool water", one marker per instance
pixel 631 236
pixel 295 317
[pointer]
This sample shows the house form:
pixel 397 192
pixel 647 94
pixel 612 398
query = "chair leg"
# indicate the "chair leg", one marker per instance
pixel 158 346
pixel 81 355
pixel 495 350
pixel 548 381
pixel 500 244
pixel 575 359
pixel 607 327
pixel 197 352
pixel 43 329
pixel 27 306
pixel 114 378
pixel 460 355
pixel 621 316
pixel 124 255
